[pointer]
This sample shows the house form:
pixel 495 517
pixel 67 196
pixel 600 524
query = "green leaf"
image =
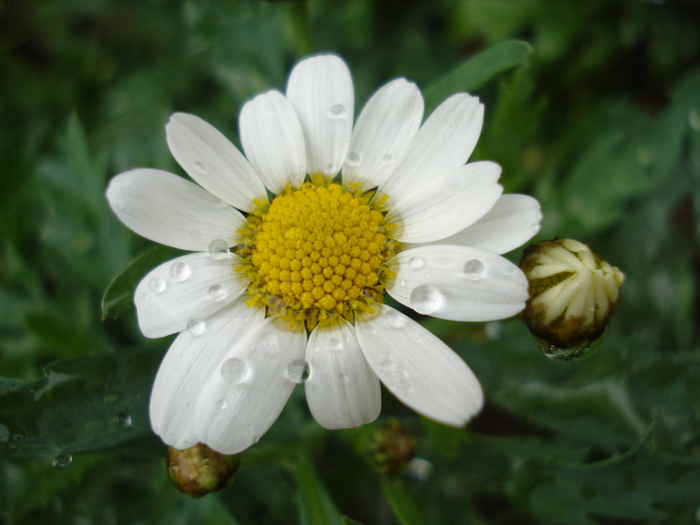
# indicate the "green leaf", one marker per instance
pixel 117 299
pixel 315 505
pixel 475 72
pixel 8 383
pixel 403 505
pixel 87 403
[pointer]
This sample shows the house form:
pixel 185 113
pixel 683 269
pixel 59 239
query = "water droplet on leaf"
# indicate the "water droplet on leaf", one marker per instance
pixel 123 419
pixel 62 460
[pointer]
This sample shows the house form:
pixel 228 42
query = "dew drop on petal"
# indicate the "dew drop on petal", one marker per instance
pixel 509 270
pixel 157 285
pixel 342 378
pixel 298 371
pixel 370 330
pixel 235 371
pixel 256 439
pixel 196 327
pixel 269 343
pixel 217 293
pixel 394 319
pixel 338 111
pixel 335 344
pixel 199 167
pixel 387 159
pixel 416 263
pixel 389 363
pixel 218 249
pixel 180 271
pixel 426 299
pixel 142 297
pixel 62 460
pixel 352 160
pixel 221 404
pixel 330 168
pixel 474 269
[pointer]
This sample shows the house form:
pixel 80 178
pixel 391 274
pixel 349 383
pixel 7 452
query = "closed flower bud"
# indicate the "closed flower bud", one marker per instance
pixel 387 447
pixel 573 293
pixel 199 470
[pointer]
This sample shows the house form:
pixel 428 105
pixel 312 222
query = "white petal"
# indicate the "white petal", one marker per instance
pixel 458 283
pixel 512 221
pixel 444 142
pixel 387 123
pixel 273 141
pixel 186 290
pixel 235 409
pixel 322 94
pixel 211 160
pixel 189 363
pixel 446 203
pixel 342 390
pixel 418 368
pixel 170 210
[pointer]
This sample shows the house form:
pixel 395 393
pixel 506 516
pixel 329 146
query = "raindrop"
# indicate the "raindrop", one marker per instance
pixel 330 168
pixel 389 363
pixel 387 159
pixel 4 433
pixel 401 282
pixel 370 330
pixel 474 269
pixel 200 168
pixel 217 293
pixel 338 112
pixel 298 371
pixel 218 249
pixel 352 160
pixel 157 285
pixel 416 263
pixel 142 297
pixel 62 460
pixel 180 271
pixel 196 327
pixel 235 371
pixel 256 439
pixel 269 343
pixel 426 299
pixel 221 404
pixel 123 419
pixel 394 319
pixel 509 270
pixel 342 378
pixel 335 344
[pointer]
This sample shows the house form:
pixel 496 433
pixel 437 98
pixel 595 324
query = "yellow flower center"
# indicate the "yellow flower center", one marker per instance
pixel 316 253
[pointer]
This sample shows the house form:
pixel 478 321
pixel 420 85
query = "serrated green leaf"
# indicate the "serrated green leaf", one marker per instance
pixel 92 402
pixel 118 297
pixel 475 72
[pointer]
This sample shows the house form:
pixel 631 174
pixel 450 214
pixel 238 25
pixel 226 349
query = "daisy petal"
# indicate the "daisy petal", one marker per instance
pixel 512 221
pixel 382 131
pixel 418 368
pixel 170 210
pixel 190 361
pixel 342 390
pixel 322 94
pixel 210 159
pixel 273 141
pixel 244 397
pixel 458 283
pixel 186 290
pixel 447 203
pixel 444 142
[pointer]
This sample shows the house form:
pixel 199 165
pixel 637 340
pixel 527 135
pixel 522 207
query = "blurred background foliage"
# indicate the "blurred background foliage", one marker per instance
pixel 601 123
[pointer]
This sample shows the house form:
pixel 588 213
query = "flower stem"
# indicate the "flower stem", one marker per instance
pixel 299 15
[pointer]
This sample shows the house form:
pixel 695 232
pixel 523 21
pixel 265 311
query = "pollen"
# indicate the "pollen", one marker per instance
pixel 317 253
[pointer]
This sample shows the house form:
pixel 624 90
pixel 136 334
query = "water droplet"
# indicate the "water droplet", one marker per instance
pixel 416 263
pixel 199 167
pixel 338 111
pixel 370 330
pixel 221 404
pixel 142 297
pixel 186 443
pixel 256 439
pixel 426 299
pixel 510 270
pixel 4 433
pixel 335 344
pixel 317 349
pixel 389 363
pixel 401 282
pixel 196 327
pixel 474 269
pixel 298 371
pixel 342 378
pixel 394 319
pixel 218 249
pixel 123 419
pixel 62 460
pixel 269 343
pixel 180 271
pixel 330 168
pixel 217 293
pixel 235 371
pixel 157 285
pixel 352 160
pixel 387 159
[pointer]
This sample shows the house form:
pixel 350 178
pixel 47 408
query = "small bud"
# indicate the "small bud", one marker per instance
pixel 573 293
pixel 199 470
pixel 387 447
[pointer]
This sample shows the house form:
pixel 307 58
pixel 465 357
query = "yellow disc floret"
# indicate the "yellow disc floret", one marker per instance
pixel 316 253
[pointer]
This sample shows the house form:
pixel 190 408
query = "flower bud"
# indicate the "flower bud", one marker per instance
pixel 199 470
pixel 573 293
pixel 387 447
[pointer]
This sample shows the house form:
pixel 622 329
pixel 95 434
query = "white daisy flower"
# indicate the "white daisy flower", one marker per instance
pixel 284 288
